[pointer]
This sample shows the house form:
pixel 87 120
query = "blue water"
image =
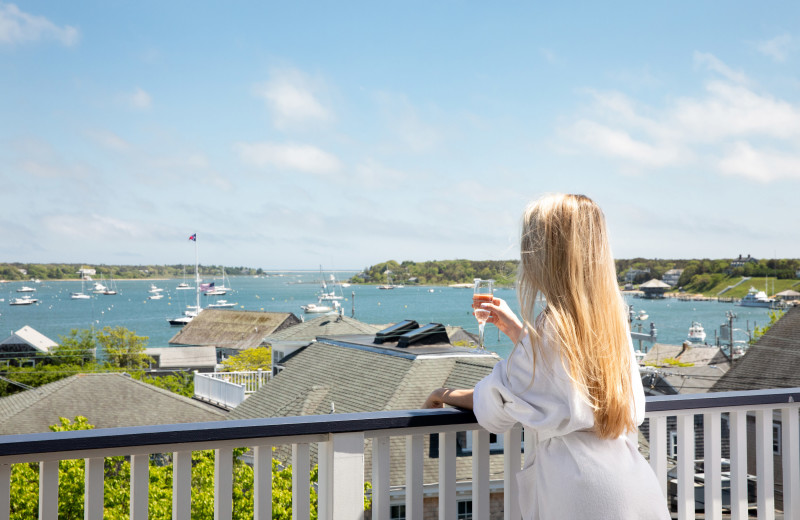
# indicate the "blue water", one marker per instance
pixel 56 314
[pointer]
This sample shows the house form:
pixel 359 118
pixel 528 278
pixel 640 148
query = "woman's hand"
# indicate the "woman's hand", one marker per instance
pixel 504 318
pixel 454 397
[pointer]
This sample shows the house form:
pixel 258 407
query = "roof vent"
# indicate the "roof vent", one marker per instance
pixel 395 331
pixel 425 335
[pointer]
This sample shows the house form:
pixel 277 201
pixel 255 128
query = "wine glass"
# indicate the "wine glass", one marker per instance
pixel 483 293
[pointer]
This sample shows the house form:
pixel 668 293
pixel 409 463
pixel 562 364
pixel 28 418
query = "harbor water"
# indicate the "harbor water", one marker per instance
pixel 56 314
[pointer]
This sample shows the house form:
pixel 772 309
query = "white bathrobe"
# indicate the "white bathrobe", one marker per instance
pixel 571 473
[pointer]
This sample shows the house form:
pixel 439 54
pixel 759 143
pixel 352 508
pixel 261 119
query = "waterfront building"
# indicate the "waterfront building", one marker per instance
pixel 653 289
pixel 24 346
pixel 631 275
pixel 672 276
pixel 742 260
pixel 106 400
pixel 231 331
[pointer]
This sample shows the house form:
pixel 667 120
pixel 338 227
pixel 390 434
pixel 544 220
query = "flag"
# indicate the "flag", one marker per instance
pixel 193 237
pixel 205 287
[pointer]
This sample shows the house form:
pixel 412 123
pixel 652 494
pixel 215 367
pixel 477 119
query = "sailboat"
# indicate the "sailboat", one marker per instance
pixel 183 286
pixel 111 289
pixel 218 290
pixel 191 310
pixel 80 295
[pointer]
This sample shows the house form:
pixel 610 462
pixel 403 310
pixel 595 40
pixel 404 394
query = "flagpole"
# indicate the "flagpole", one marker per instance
pixel 196 276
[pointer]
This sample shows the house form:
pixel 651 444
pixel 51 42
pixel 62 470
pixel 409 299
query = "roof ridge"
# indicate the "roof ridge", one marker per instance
pixel 27 400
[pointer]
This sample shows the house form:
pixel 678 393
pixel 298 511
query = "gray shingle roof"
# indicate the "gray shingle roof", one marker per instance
pixel 771 362
pixel 691 354
pixel 358 380
pixel 327 325
pixel 106 400
pixel 232 329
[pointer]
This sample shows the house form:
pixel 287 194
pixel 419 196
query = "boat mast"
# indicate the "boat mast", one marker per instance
pixel 196 276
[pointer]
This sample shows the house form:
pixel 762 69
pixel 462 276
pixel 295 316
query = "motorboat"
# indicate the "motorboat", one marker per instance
pixel 183 286
pixel 25 288
pixel 642 315
pixel 221 304
pixel 188 315
pixel 25 300
pixel 80 296
pixel 156 296
pixel 756 298
pixel 99 288
pixel 697 334
pixel 154 290
pixel 320 308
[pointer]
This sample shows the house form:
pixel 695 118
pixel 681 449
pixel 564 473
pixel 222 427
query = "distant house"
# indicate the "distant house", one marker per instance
pixel 25 346
pixel 347 374
pixel 788 295
pixel 797 274
pixel 183 359
pixel 632 274
pixel 741 261
pixel 106 400
pixel 86 273
pixel 231 331
pixel 653 289
pixel 771 362
pixel 672 276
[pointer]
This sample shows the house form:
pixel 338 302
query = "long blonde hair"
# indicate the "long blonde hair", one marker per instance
pixel 565 256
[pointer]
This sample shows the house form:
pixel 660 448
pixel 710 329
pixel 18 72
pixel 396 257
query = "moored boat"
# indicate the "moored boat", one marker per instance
pixel 697 334
pixel 756 298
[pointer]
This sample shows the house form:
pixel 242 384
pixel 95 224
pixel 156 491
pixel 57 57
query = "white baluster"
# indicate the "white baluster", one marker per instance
pixel 712 449
pixel 738 442
pixel 181 485
pixel 223 484
pixel 658 450
pixel 414 483
pixel 140 486
pixel 301 495
pixel 790 443
pixel 48 490
pixel 93 500
pixel 262 483
pixel 512 447
pixel 764 466
pixel 348 475
pixel 480 474
pixel 686 467
pixel 5 491
pixel 381 466
pixel 447 476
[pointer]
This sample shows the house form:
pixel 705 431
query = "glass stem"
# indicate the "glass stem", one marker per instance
pixel 481 326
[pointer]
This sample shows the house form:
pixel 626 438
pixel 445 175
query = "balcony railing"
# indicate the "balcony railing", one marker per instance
pixel 228 389
pixel 340 440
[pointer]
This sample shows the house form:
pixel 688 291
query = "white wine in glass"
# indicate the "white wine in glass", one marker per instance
pixel 482 293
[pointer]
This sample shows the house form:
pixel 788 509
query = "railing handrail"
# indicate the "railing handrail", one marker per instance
pixel 225 430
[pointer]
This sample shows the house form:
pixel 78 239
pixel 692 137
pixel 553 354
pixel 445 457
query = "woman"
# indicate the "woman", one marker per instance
pixel 571 379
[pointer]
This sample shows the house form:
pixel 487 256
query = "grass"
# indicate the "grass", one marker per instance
pixel 760 283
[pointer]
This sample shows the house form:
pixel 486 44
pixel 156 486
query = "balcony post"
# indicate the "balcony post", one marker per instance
pixel 140 486
pixel 381 470
pixel 480 474
pixel 262 483
pixel 447 476
pixel 93 500
pixel 346 468
pixel 512 461
pixel 48 490
pixel 301 495
pixel 223 483
pixel 5 491
pixel 739 498
pixel 414 479
pixel 764 467
pixel 685 473
pixel 790 431
pixel 181 485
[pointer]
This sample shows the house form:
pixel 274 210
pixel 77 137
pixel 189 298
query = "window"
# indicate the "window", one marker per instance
pixel 464 510
pixel 776 438
pixel 673 444
pixel 397 512
pixel 495 443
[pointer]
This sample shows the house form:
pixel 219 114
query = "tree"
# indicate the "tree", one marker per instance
pixel 77 348
pixel 123 347
pixel 250 359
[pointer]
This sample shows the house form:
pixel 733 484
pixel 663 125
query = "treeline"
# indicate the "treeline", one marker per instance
pixel 21 271
pixel 439 272
pixel 695 272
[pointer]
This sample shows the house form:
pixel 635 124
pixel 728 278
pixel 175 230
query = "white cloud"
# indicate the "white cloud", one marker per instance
pixel 110 140
pixel 139 99
pixel 711 62
pixel 372 173
pixel 760 165
pixel 777 48
pixel 754 132
pixel 99 227
pixel 404 121
pixel 290 96
pixel 17 27
pixel 298 157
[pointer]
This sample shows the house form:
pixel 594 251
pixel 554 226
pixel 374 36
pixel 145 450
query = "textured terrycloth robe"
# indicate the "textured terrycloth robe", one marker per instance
pixel 572 473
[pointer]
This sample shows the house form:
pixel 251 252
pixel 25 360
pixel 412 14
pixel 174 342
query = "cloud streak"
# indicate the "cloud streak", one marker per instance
pixel 291 98
pixel 18 27
pixel 288 156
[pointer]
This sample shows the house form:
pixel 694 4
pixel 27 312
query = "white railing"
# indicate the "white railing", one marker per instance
pixel 340 440
pixel 228 389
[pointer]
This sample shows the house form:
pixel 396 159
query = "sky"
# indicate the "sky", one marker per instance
pixel 293 135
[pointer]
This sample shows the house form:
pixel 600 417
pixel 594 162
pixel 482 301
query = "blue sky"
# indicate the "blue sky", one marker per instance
pixel 342 134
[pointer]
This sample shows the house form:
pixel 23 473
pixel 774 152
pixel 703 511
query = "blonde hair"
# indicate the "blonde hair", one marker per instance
pixel 565 256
